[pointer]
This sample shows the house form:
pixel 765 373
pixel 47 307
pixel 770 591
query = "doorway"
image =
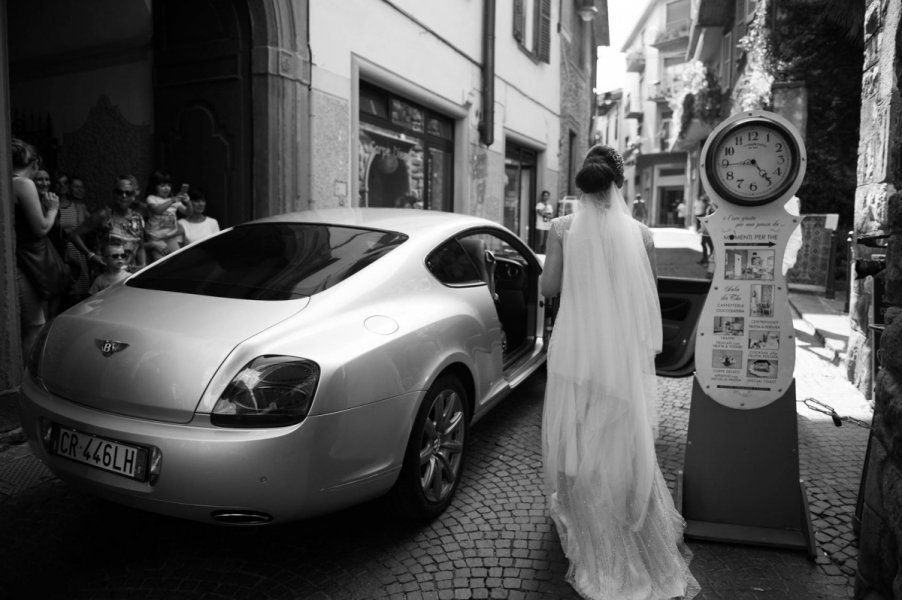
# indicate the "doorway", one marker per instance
pixel 202 102
pixel 668 199
pixel 520 192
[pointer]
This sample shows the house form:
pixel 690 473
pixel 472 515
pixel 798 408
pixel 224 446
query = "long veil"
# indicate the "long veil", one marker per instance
pixel 610 504
pixel 609 324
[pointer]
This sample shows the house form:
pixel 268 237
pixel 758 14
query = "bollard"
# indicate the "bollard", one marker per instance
pixel 830 291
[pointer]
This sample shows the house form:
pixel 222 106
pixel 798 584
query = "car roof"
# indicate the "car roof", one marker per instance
pixel 410 221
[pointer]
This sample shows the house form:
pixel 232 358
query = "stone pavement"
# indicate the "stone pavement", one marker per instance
pixel 495 541
pixel 825 319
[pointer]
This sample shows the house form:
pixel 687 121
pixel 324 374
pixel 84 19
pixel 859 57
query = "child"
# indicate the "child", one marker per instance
pixel 198 225
pixel 115 257
pixel 163 210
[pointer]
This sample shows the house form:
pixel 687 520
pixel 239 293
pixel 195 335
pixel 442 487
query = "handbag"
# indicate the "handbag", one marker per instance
pixel 44 267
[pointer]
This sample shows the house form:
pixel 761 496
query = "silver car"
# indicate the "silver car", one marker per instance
pixel 290 366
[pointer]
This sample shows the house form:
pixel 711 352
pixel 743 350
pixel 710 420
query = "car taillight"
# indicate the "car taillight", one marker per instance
pixel 33 360
pixel 271 391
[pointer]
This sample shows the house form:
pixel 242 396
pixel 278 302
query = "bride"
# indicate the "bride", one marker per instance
pixel 613 511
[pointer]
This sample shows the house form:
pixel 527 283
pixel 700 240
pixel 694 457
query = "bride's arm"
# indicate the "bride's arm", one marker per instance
pixel 550 281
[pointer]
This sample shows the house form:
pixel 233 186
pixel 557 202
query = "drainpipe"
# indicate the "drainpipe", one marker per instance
pixel 487 122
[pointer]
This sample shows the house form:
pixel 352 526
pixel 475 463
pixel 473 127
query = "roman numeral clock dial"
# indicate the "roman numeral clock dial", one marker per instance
pixel 752 162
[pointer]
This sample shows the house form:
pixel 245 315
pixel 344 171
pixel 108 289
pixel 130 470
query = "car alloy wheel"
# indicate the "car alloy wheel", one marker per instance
pixel 442 445
pixel 434 460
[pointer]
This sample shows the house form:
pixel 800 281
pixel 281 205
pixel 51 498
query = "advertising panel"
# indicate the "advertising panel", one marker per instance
pixel 745 346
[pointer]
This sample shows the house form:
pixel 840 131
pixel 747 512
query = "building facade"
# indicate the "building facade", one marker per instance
pixel 280 105
pixel 656 58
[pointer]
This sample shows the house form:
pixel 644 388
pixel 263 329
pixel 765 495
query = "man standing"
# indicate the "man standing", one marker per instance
pixel 698 210
pixel 707 242
pixel 640 211
pixel 544 214
pixel 681 213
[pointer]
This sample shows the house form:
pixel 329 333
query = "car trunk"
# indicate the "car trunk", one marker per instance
pixel 175 342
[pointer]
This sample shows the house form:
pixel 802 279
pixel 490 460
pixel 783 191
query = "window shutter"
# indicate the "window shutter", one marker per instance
pixel 519 20
pixel 545 32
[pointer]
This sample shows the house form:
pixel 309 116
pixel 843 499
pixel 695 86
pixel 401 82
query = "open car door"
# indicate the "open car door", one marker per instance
pixel 681 300
pixel 682 290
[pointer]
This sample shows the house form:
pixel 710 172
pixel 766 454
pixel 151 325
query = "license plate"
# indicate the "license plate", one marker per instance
pixel 107 455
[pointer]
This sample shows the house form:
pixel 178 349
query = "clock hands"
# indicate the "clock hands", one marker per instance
pixel 752 162
pixel 761 171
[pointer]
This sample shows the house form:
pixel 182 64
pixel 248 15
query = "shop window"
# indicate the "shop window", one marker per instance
pixel 407 116
pixel 373 103
pixel 532 27
pixel 677 13
pixel 406 153
pixel 750 7
pixel 578 33
pixel 674 66
pixel 726 61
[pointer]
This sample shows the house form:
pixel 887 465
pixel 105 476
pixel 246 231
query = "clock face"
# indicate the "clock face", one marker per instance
pixel 753 162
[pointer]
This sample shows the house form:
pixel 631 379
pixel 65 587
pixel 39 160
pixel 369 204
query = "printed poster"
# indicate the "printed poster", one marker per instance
pixel 745 345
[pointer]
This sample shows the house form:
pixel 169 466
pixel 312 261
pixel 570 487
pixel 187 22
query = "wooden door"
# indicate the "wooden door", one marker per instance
pixel 202 101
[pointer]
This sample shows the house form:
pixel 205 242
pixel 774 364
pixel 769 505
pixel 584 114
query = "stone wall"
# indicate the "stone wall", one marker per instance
pixel 879 208
pixel 811 270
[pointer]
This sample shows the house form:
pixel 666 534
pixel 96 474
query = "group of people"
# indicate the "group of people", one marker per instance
pixel 69 247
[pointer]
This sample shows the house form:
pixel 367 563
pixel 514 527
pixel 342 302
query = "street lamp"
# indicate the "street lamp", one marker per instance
pixel 587 10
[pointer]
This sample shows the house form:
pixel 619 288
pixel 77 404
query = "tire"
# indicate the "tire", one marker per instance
pixel 435 455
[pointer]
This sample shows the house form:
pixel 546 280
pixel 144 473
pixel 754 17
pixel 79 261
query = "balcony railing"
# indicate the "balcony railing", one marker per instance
pixel 659 92
pixel 674 34
pixel 633 111
pixel 635 62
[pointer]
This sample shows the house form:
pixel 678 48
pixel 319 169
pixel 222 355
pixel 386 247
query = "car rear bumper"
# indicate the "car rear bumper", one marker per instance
pixel 323 464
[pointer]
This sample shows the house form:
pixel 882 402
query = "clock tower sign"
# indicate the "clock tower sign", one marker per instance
pixel 741 474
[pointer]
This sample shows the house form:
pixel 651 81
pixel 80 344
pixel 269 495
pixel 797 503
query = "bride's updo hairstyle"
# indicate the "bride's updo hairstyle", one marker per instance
pixel 602 167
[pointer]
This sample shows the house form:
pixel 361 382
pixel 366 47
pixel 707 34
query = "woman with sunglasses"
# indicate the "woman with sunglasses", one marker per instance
pixel 119 221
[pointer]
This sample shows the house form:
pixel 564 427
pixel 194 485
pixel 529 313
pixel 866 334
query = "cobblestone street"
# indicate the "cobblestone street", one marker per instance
pixel 496 540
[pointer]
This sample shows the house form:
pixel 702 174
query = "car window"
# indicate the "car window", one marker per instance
pixel 469 259
pixel 452 265
pixel 500 248
pixel 270 261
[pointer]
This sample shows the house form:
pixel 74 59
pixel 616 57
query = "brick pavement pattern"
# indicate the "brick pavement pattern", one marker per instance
pixel 495 541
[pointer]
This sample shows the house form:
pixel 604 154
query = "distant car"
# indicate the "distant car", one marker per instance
pixel 566 205
pixel 290 366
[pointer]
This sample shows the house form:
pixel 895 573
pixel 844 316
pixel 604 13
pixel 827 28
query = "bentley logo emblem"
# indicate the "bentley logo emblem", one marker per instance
pixel 110 347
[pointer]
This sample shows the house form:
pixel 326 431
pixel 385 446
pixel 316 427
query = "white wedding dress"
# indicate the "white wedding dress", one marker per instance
pixel 613 511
